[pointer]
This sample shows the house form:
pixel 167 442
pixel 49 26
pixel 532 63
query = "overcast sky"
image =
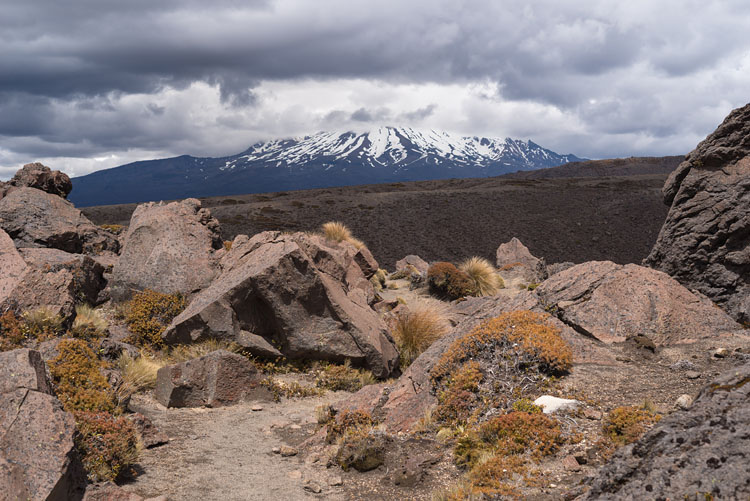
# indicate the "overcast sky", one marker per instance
pixel 91 84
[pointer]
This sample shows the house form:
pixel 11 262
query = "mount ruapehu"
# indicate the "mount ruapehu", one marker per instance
pixel 326 159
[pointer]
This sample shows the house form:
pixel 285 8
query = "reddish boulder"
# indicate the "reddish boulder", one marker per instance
pixel 217 379
pixel 34 218
pixel 415 261
pixel 305 296
pixel 168 248
pixel 23 369
pixel 514 258
pixel 43 178
pixel 612 302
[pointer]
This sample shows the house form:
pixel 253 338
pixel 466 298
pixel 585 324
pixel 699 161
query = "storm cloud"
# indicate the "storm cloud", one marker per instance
pixel 95 83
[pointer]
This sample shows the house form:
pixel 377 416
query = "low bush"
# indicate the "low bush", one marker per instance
pixel 625 425
pixel 79 383
pixel 448 282
pixel 108 444
pixel 184 352
pixel 343 377
pixel 361 448
pixel 148 313
pixel 416 329
pixel 89 323
pixel 458 400
pixel 289 389
pixel 494 476
pixel 42 324
pixel 378 279
pixel 347 420
pixel 117 229
pixel 485 279
pixel 526 405
pixel 522 432
pixel 11 332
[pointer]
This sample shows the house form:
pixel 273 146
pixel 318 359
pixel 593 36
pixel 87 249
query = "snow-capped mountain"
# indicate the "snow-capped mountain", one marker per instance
pixel 385 154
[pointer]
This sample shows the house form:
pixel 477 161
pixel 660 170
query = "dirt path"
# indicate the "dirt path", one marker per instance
pixel 226 453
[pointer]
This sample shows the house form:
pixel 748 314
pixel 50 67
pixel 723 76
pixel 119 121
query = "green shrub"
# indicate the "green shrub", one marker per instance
pixel 79 383
pixel 108 444
pixel 448 282
pixel 148 313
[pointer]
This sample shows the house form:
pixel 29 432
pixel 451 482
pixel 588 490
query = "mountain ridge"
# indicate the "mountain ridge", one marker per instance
pixel 325 159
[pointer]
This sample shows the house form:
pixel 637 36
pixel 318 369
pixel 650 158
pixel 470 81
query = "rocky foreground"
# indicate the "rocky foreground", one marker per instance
pixel 128 354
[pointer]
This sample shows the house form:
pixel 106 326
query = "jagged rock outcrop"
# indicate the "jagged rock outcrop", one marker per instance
pixel 43 178
pixel 33 278
pixel 38 459
pixel 299 294
pixel 168 248
pixel 34 218
pixel 400 405
pixel 217 379
pixel 702 452
pixel 612 302
pixel 705 241
pixel 514 258
pixel 414 261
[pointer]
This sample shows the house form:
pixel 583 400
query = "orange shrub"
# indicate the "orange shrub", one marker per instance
pixel 520 432
pixel 448 282
pixel 149 313
pixel 348 420
pixel 108 444
pixel 79 383
pixel 625 425
pixel 11 334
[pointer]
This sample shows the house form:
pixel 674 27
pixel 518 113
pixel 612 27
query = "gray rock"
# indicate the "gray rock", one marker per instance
pixel 34 218
pixel 612 303
pixel 306 297
pixel 217 379
pixel 704 241
pixel 168 248
pixel 703 451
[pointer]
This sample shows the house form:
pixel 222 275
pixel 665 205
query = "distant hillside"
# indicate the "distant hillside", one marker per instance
pixel 327 159
pixel 609 167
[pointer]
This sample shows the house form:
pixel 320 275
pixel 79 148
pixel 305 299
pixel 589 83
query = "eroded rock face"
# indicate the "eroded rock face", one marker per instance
pixel 217 379
pixel 513 257
pixel 34 218
pixel 700 452
pixel 415 261
pixel 43 178
pixel 38 459
pixel 306 297
pixel 168 248
pixel 47 278
pixel 400 405
pixel 705 241
pixel 612 302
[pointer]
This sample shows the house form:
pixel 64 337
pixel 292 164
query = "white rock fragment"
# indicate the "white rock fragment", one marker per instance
pixel 550 404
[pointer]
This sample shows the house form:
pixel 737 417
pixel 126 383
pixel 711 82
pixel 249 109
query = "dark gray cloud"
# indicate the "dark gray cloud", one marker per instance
pixel 89 77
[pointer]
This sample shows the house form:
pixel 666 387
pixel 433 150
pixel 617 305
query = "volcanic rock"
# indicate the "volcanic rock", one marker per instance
pixel 168 248
pixel 34 218
pixel 705 241
pixel 612 303
pixel 307 297
pixel 38 459
pixel 514 257
pixel 415 261
pixel 42 178
pixel 217 379
pixel 701 451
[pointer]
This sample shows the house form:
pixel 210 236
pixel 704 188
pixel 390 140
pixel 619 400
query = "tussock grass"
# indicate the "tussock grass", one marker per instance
pixel 184 352
pixel 337 231
pixel 138 374
pixel 89 323
pixel 42 323
pixel 416 329
pixel 483 274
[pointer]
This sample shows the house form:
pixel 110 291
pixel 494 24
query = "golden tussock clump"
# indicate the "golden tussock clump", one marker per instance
pixel 89 323
pixel 486 280
pixel 625 425
pixel 415 330
pixel 149 313
pixel 338 232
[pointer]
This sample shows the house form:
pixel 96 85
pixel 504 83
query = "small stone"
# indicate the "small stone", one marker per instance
pixel 553 485
pixel 550 404
pixel 570 463
pixel 295 427
pixel 720 353
pixel 313 487
pixel 683 402
pixel 287 451
pixel 593 414
pixel 296 474
pixel 256 408
pixel 335 481
pixel 276 450
pixel 692 374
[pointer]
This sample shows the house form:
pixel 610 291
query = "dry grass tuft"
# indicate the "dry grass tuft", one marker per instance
pixel 336 231
pixel 138 374
pixel 42 323
pixel 184 352
pixel 89 323
pixel 414 331
pixel 343 377
pixel 483 274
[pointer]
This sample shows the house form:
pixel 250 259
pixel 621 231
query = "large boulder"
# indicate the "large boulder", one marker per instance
pixel 705 241
pixel 514 258
pixel 305 296
pixel 38 458
pixel 702 452
pixel 42 178
pixel 399 406
pixel 168 248
pixel 612 302
pixel 217 379
pixel 47 278
pixel 34 218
